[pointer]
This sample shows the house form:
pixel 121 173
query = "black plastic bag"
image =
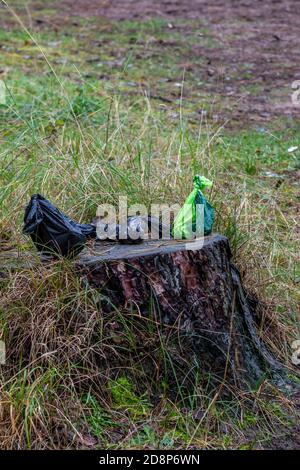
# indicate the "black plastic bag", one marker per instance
pixel 52 231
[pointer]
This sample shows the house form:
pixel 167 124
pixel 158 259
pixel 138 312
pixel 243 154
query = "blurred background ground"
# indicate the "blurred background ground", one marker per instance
pixel 245 53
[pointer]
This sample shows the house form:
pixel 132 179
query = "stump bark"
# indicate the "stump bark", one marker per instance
pixel 198 289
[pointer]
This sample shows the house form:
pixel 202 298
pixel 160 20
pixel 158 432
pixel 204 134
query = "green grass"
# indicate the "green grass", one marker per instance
pixel 85 131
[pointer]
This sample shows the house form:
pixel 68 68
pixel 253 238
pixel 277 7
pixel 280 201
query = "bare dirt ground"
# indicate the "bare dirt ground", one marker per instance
pixel 255 54
pixel 250 61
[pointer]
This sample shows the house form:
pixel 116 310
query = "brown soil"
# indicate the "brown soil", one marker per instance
pixel 255 57
pixel 252 61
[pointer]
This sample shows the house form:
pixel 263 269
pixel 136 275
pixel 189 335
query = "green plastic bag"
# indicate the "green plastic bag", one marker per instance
pixel 185 224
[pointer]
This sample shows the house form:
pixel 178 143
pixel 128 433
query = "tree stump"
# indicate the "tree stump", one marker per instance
pixel 197 289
